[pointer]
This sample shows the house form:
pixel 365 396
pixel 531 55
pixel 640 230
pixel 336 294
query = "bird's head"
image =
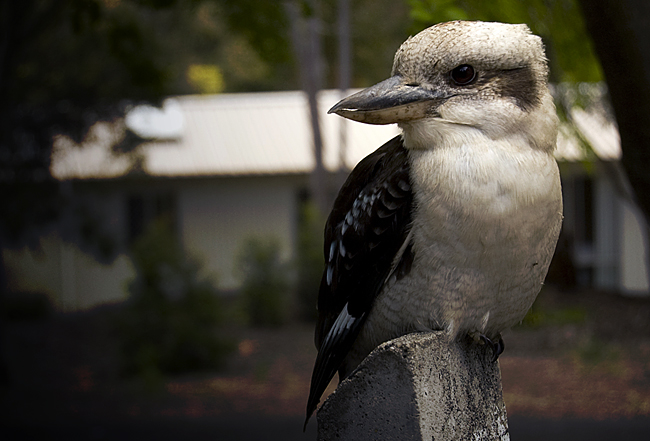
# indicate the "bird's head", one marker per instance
pixel 461 77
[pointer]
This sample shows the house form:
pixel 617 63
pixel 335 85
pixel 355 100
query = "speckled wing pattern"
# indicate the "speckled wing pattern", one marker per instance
pixel 364 233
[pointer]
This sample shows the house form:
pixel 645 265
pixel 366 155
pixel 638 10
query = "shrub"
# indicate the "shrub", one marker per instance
pixel 309 260
pixel 265 283
pixel 170 323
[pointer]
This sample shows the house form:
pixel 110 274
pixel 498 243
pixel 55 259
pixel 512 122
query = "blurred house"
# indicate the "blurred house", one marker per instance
pixel 228 167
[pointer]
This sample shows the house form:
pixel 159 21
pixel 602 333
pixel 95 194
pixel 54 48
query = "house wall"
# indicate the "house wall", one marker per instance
pixel 214 217
pixel 608 238
pixel 217 217
pixel 633 256
pixel 607 228
pixel 620 235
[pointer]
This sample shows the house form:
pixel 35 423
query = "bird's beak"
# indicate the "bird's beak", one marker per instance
pixel 392 101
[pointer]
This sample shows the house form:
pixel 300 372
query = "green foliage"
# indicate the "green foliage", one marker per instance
pixel 267 29
pixel 205 78
pixel 309 259
pixel 377 28
pixel 559 23
pixel 171 322
pixel 434 12
pixel 265 286
pixel 83 52
pixel 64 65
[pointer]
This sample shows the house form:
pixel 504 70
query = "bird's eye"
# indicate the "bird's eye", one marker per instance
pixel 463 74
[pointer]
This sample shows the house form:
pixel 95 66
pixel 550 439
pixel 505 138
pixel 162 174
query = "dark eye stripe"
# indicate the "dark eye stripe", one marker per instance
pixel 518 84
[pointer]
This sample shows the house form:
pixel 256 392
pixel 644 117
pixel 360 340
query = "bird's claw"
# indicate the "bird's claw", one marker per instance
pixel 497 348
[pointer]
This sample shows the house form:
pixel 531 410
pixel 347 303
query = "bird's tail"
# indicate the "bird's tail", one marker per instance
pixel 331 354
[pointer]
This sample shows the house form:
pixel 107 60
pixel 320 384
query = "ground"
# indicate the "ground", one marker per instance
pixel 580 362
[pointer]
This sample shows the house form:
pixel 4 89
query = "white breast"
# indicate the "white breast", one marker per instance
pixel 486 221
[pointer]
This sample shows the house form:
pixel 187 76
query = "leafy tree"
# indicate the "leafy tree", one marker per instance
pixel 559 23
pixel 67 64
pixel 378 27
pixel 64 65
pixel 622 40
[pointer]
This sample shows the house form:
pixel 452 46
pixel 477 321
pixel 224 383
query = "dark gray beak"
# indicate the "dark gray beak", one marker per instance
pixel 392 101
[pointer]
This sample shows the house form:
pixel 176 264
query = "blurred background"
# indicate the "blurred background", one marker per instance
pixel 166 167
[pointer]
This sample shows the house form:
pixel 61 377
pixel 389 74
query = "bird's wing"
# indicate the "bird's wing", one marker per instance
pixel 364 233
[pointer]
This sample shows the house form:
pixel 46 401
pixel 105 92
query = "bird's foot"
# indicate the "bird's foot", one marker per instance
pixel 497 348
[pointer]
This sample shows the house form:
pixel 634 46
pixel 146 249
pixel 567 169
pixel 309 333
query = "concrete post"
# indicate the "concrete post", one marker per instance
pixel 419 387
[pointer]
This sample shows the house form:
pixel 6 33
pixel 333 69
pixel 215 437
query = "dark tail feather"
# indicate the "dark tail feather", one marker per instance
pixel 331 354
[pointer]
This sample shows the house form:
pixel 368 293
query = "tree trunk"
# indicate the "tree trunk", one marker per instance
pixel 345 75
pixel 620 30
pixel 305 35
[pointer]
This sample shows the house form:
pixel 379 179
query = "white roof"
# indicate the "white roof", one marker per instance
pixel 228 134
pixel 256 133
pixel 600 132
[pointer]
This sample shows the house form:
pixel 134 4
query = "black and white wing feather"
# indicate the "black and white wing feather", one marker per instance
pixel 364 234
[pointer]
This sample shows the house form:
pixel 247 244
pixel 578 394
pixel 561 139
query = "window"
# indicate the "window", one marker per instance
pixel 144 209
pixel 579 225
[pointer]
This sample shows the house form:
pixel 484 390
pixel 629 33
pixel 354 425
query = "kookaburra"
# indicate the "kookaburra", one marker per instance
pixel 450 226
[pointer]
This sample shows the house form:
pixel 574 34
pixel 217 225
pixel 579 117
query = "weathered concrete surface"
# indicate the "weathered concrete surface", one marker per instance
pixel 419 387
